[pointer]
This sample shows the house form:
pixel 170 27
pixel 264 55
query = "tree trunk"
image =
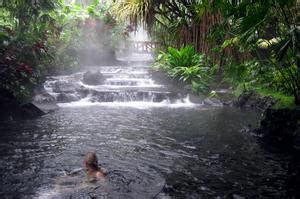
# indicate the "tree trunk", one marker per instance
pixel 297 97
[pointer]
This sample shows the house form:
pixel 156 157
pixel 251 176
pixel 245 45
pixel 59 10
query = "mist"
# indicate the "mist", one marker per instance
pixel 96 43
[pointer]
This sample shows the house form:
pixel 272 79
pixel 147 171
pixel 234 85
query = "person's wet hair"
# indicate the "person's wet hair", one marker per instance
pixel 91 161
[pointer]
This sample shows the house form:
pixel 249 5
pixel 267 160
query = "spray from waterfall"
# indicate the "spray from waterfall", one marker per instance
pixel 132 49
pixel 105 81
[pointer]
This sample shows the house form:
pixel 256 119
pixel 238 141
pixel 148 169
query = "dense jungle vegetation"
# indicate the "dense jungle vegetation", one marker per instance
pixel 42 37
pixel 246 45
pixel 250 45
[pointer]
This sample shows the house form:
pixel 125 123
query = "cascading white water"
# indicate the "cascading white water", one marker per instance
pixel 124 86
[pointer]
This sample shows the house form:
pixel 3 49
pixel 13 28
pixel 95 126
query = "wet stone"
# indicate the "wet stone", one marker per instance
pixel 93 78
pixel 65 97
pixel 65 87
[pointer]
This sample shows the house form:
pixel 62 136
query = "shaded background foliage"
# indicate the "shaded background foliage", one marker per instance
pixel 232 33
pixel 42 37
pixel 246 43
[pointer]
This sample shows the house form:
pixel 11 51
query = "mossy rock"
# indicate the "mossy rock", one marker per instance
pixel 281 126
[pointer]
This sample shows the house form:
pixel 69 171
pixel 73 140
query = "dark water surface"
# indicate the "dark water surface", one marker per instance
pixel 165 152
pixel 153 141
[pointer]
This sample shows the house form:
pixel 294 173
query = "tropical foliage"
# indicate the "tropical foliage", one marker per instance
pixel 42 37
pixel 26 28
pixel 172 23
pixel 186 65
pixel 254 42
pixel 269 31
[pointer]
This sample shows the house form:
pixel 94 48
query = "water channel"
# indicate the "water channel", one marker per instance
pixel 154 142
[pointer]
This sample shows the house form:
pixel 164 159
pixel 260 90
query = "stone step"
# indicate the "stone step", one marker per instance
pixel 129 96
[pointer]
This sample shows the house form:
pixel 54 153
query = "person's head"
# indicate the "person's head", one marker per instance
pixel 91 161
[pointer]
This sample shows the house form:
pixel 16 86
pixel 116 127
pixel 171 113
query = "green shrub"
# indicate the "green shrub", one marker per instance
pixel 41 38
pixel 186 65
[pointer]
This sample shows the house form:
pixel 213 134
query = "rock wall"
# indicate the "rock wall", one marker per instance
pixel 251 99
pixel 281 126
pixel 12 109
pixel 278 126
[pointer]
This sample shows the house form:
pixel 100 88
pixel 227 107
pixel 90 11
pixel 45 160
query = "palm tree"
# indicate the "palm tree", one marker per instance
pixel 184 22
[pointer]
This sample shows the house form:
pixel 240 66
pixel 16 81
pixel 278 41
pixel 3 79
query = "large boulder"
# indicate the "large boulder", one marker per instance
pixel 30 111
pixel 43 98
pixel 251 99
pixel 65 87
pixel 12 109
pixel 212 102
pixel 47 107
pixel 83 92
pixel 8 105
pixel 93 78
pixel 281 126
pixel 67 97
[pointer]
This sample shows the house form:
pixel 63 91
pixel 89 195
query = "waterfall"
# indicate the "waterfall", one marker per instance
pixel 123 86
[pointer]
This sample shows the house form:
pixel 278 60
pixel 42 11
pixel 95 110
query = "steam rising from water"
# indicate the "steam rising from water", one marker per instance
pixel 123 87
pixel 128 52
pixel 120 86
pixel 140 35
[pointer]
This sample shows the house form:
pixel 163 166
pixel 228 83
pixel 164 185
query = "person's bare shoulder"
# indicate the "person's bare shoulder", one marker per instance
pixel 100 174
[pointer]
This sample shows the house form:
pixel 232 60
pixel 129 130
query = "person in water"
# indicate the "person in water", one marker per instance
pixel 94 172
